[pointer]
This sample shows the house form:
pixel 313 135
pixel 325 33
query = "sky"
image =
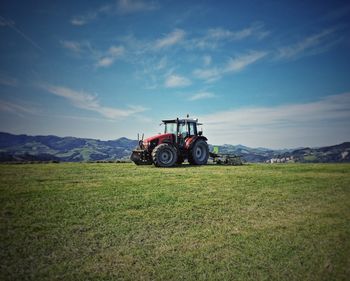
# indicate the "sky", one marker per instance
pixel 272 74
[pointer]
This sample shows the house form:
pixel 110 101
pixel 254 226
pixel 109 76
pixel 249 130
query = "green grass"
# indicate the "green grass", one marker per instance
pixel 123 222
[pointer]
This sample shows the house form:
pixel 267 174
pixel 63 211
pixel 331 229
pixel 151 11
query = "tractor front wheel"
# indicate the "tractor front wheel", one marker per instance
pixel 199 153
pixel 164 155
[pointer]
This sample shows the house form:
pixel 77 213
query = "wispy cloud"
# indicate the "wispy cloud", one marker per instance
pixel 101 58
pixel 208 74
pixel 176 81
pixel 151 69
pixel 232 65
pixel 240 62
pixel 320 122
pixel 255 30
pixel 170 39
pixel 87 101
pixel 111 55
pixel 202 95
pixel 207 60
pixel 145 53
pixel 18 108
pixel 215 36
pixel 181 37
pixel 120 7
pixel 134 6
pixel 84 19
pixel 314 44
pixel 11 24
pixel 8 81
pixel 73 46
pixel 153 57
pixel 162 63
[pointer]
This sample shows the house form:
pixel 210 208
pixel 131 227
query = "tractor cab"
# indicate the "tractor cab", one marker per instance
pixel 182 129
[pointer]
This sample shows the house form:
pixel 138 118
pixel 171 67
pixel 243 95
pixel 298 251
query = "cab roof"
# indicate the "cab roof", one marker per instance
pixel 182 120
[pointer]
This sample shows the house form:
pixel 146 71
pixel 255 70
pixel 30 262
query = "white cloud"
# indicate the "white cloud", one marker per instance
pixel 151 70
pixel 208 74
pixel 175 81
pixel 101 58
pixel 170 39
pixel 87 101
pixel 240 62
pixel 134 6
pixel 72 46
pixel 111 55
pixel 225 34
pixel 119 7
pixel 78 21
pixel 6 22
pixel 84 19
pixel 214 36
pixel 18 108
pixel 162 63
pixel 202 95
pixel 8 81
pixel 105 62
pixel 207 60
pixel 116 51
pixel 314 44
pixel 81 49
pixel 322 122
pixel 232 65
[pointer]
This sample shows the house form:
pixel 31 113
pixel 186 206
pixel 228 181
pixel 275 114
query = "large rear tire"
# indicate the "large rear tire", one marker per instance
pixel 164 155
pixel 199 153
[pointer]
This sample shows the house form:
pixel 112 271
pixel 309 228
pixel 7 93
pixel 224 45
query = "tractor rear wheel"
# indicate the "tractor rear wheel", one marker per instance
pixel 164 155
pixel 199 153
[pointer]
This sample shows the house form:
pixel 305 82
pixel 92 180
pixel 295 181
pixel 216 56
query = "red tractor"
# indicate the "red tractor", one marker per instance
pixel 181 140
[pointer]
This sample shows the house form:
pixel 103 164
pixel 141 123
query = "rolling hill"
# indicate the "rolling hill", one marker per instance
pixel 70 149
pixel 66 149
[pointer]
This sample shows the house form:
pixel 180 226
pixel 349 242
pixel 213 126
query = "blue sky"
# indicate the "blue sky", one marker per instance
pixel 261 73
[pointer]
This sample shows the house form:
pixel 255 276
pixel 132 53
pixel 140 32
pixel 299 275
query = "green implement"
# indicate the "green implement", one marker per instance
pixel 225 159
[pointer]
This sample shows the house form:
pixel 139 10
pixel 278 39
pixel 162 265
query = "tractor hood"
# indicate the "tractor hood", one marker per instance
pixel 151 142
pixel 161 137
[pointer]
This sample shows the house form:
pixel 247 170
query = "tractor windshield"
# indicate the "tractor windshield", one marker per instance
pixel 170 128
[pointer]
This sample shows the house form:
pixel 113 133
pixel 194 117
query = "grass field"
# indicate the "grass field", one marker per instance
pixel 123 222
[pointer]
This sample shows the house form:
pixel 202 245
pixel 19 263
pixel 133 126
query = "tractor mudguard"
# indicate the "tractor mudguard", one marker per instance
pixel 190 141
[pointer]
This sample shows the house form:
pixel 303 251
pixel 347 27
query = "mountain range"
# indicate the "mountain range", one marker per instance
pixel 23 148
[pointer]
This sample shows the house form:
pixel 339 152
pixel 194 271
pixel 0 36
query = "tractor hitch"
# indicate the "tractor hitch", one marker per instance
pixel 141 156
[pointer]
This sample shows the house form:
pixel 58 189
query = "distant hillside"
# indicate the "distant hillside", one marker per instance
pixel 327 154
pixel 249 154
pixel 71 149
pixel 67 149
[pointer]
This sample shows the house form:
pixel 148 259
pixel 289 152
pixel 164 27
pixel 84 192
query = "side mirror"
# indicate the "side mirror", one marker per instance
pixel 200 133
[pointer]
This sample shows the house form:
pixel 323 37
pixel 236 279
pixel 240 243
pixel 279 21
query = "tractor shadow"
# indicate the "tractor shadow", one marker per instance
pixel 180 166
pixel 190 166
pixel 186 166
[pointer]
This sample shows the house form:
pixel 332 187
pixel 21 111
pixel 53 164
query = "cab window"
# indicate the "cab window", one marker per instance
pixel 193 130
pixel 183 130
pixel 170 128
